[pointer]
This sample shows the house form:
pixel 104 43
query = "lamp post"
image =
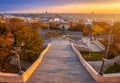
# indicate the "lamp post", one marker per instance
pixel 17 57
pixel 103 61
pixel 106 53
pixel 18 62
pixel 90 52
pixel 50 22
pixel 109 42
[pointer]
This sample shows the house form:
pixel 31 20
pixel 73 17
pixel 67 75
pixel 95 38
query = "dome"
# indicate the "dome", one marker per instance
pixel 56 20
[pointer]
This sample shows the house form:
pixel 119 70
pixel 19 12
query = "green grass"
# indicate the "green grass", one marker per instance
pixel 113 69
pixel 95 56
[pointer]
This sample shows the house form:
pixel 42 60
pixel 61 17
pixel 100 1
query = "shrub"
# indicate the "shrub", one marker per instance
pixel 113 69
pixel 50 34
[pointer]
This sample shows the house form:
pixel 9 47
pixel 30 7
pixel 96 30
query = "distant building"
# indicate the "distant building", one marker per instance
pixel 66 26
pixel 88 22
pixel 44 20
pixel 46 12
pixel 56 20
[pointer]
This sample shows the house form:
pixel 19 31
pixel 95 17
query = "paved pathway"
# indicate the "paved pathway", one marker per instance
pixel 60 65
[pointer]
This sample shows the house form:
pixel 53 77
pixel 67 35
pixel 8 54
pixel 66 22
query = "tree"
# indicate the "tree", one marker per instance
pixel 114 39
pixel 106 29
pixel 22 34
pixel 4 30
pixel 101 28
pixel 71 25
pixel 101 24
pixel 32 43
pixel 53 26
pixel 5 46
pixel 44 26
pixel 27 35
pixel 116 28
pixel 97 30
pixel 87 30
pixel 36 26
pixel 78 27
pixel 15 24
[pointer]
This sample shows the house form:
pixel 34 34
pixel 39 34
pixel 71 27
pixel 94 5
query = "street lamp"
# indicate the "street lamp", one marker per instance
pixel 50 22
pixel 106 53
pixel 103 61
pixel 17 57
pixel 90 52
pixel 18 62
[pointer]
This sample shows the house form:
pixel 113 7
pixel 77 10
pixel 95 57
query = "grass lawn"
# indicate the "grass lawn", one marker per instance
pixel 93 57
pixel 113 69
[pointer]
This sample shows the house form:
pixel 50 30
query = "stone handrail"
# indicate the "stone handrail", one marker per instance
pixel 102 47
pixel 106 78
pixel 10 78
pixel 16 78
pixel 32 68
pixel 100 44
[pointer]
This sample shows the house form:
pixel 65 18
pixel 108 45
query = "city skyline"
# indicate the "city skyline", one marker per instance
pixel 60 6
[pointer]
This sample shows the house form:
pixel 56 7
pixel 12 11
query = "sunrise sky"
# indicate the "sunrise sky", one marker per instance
pixel 60 6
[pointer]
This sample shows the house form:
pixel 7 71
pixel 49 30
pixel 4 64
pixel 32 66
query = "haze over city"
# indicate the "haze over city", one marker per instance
pixel 60 6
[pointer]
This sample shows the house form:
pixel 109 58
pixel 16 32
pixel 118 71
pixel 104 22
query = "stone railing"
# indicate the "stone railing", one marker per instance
pixel 106 78
pixel 101 46
pixel 15 78
pixel 10 78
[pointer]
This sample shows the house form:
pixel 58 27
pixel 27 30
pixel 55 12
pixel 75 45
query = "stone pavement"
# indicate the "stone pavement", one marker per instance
pixel 60 65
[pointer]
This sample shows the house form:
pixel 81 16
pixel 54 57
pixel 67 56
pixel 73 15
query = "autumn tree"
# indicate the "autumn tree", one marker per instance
pixel 15 24
pixel 53 26
pixel 44 26
pixel 5 46
pixel 106 29
pixel 36 26
pixel 71 25
pixel 101 24
pixel 116 28
pixel 32 43
pixel 27 35
pixel 113 32
pixel 97 30
pixel 87 30
pixel 77 27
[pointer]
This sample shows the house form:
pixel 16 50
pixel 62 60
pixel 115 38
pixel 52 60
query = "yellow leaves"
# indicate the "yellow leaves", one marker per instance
pixel 97 30
pixel 33 42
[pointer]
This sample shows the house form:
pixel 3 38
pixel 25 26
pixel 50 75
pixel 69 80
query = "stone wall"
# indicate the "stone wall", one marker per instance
pixel 15 78
pixel 106 78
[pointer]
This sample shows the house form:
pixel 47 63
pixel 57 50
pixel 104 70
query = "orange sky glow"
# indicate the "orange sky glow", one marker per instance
pixel 113 8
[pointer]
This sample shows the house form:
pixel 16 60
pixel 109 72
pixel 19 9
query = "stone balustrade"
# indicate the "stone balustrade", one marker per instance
pixel 101 46
pixel 16 78
pixel 106 78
